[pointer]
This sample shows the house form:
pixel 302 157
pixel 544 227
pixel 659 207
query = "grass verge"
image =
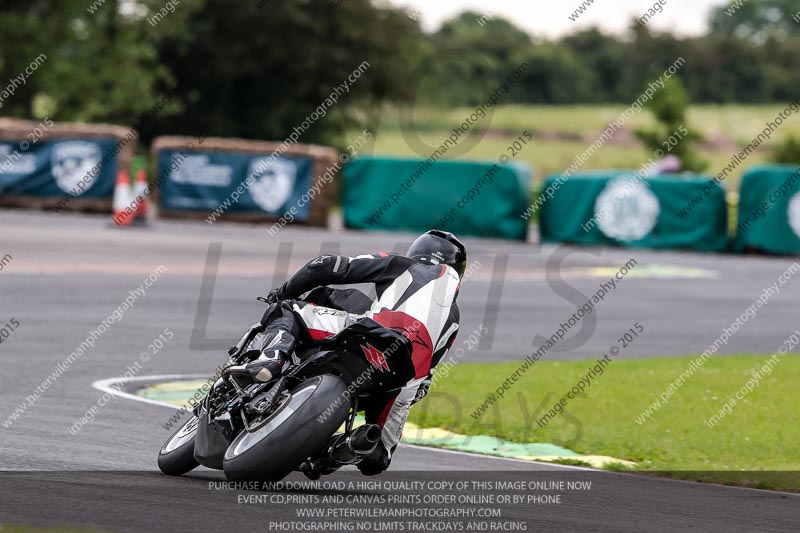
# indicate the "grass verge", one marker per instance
pixel 579 126
pixel 754 445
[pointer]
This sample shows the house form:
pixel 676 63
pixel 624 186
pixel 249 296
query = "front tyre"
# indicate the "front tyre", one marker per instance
pixel 297 430
pixel 177 455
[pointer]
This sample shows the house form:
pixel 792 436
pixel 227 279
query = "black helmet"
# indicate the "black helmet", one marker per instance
pixel 435 247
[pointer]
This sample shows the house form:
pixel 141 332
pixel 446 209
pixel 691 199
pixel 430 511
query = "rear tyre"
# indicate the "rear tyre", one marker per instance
pixel 300 428
pixel 176 457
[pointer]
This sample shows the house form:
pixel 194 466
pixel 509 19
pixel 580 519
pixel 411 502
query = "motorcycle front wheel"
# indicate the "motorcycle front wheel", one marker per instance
pixel 176 457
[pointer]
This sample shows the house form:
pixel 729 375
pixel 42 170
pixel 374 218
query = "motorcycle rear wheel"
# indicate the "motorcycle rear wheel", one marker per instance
pixel 300 428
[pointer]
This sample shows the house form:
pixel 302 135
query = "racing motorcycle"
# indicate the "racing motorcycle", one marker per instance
pixel 264 431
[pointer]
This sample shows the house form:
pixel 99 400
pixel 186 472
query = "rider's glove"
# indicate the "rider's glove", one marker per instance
pixel 422 391
pixel 274 296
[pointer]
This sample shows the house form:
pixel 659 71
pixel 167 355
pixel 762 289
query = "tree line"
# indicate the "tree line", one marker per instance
pixel 255 69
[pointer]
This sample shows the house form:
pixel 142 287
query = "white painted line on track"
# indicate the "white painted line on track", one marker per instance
pixel 105 385
pixel 482 456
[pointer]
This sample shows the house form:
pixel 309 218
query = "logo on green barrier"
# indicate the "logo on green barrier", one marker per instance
pixel 794 213
pixel 15 162
pixel 199 170
pixel 626 209
pixel 274 182
pixel 73 161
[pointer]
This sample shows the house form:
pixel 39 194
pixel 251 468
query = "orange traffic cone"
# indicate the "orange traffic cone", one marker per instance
pixel 140 196
pixel 121 211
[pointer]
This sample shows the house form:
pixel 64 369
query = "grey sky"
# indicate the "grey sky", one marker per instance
pixel 548 19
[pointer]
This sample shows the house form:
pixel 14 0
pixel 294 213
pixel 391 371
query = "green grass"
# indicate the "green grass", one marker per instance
pixel 740 123
pixel 545 157
pixel 568 130
pixel 572 462
pixel 761 434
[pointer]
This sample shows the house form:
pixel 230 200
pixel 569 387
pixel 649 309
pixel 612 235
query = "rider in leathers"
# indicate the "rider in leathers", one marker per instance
pixel 414 294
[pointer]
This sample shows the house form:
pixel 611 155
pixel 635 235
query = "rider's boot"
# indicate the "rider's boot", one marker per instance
pixel 277 347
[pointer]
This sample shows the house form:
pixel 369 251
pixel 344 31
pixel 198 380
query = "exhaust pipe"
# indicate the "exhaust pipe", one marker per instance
pixel 343 450
pixel 349 449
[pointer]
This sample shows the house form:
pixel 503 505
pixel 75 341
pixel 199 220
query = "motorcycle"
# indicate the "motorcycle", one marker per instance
pixel 264 431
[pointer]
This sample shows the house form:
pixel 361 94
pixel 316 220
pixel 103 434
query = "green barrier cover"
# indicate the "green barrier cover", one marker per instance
pixel 82 168
pixel 617 207
pixel 467 198
pixel 204 181
pixel 769 210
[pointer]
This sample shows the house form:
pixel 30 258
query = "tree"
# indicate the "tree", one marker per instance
pixel 557 75
pixel 259 71
pixel 787 151
pixel 604 56
pixel 99 66
pixel 673 133
pixel 757 20
pixel 490 50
